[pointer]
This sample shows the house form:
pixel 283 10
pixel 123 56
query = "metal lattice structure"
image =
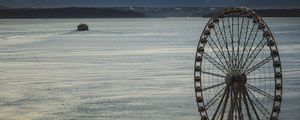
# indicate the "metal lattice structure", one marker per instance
pixel 238 73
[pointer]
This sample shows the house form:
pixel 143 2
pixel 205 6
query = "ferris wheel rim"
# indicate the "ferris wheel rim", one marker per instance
pixel 274 57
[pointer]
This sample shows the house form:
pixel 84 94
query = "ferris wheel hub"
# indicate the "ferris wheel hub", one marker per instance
pixel 238 79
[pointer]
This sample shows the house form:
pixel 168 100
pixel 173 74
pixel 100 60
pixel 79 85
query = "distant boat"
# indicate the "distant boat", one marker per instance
pixel 82 27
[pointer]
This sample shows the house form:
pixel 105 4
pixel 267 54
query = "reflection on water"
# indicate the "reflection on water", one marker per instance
pixel 127 69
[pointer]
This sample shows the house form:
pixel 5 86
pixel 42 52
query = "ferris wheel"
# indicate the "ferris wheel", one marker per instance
pixel 237 72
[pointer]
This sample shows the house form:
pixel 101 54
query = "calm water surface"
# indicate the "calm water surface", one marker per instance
pixel 122 69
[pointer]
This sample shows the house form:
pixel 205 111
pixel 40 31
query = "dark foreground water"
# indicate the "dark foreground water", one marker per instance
pixel 122 69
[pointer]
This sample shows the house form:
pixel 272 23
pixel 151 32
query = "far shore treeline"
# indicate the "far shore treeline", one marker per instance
pixel 68 13
pixel 129 12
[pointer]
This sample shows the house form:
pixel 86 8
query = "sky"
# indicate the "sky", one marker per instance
pixel 150 3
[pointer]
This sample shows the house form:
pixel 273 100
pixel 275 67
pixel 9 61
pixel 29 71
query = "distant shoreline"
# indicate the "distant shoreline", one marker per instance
pixel 67 13
pixel 128 12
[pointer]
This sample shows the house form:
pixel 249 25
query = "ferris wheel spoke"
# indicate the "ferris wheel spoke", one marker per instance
pixel 258 65
pixel 259 91
pixel 216 98
pixel 233 101
pixel 260 106
pixel 260 78
pixel 246 105
pixel 257 48
pixel 239 42
pixel 224 105
pixel 225 41
pixel 240 112
pixel 236 109
pixel 251 103
pixel 240 31
pixel 251 45
pixel 246 41
pixel 228 37
pixel 220 51
pixel 213 86
pixel 213 74
pixel 221 32
pixel 249 51
pixel 224 29
pixel 251 61
pixel 214 62
pixel 221 46
pixel 220 103
pixel 224 66
pixel 231 38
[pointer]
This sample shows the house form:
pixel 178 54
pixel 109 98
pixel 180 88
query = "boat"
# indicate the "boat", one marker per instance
pixel 82 27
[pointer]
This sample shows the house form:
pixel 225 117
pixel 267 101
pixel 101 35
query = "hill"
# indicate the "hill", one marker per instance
pixel 3 7
pixel 131 12
pixel 68 13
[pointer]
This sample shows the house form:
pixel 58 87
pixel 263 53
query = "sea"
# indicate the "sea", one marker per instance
pixel 121 69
